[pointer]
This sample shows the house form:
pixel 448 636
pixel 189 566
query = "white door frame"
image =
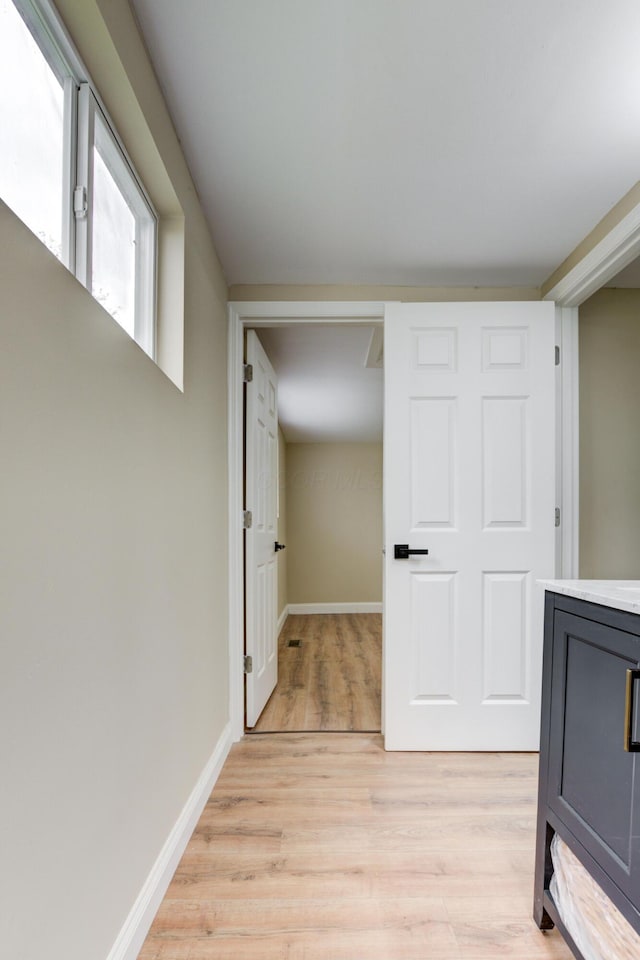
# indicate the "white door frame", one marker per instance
pixel 614 252
pixel 567 443
pixel 607 258
pixel 262 314
pixel 610 255
pixel 284 313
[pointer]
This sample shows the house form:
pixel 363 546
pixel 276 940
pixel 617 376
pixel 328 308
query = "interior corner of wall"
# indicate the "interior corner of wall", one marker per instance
pixel 170 322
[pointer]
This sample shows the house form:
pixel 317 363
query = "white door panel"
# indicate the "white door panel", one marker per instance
pixel 470 476
pixel 261 642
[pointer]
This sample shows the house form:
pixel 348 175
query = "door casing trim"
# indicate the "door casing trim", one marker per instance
pixel 601 263
pixel 607 258
pixel 244 314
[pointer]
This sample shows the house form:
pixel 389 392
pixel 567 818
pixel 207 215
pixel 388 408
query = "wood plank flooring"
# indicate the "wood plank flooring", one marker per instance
pixel 324 847
pixel 331 681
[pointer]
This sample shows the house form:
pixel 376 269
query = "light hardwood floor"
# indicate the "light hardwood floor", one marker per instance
pixel 331 681
pixel 324 847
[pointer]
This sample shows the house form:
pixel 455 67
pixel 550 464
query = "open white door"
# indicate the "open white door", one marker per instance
pixel 261 464
pixel 470 477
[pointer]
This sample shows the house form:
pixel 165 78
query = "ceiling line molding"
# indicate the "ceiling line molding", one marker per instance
pixel 308 311
pixel 614 252
pixel 354 292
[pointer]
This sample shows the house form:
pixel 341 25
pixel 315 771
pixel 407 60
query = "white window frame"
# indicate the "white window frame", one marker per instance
pixel 94 129
pixel 86 122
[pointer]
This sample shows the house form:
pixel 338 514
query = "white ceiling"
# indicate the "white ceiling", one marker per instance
pixel 427 142
pixel 401 141
pixel 325 391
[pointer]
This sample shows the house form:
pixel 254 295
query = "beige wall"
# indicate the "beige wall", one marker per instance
pixel 334 522
pixel 113 564
pixel 282 523
pixel 610 435
pixel 113 560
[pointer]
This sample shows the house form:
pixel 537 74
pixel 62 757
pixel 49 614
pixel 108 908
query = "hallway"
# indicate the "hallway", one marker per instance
pixel 324 847
pixel 329 675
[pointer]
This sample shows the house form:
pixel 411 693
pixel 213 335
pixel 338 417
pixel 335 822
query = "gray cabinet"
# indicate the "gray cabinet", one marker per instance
pixel 589 783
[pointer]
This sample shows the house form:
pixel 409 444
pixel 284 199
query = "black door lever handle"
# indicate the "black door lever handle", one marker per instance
pixel 402 551
pixel 279 546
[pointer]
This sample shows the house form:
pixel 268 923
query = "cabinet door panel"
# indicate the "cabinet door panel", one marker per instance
pixel 593 788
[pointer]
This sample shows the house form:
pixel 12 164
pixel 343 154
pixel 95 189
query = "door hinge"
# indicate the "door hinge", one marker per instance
pixel 557 356
pixel 557 516
pixel 80 203
pixel 247 519
pixel 247 372
pixel 248 664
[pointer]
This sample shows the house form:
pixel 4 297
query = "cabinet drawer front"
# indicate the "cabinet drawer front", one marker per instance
pixel 592 784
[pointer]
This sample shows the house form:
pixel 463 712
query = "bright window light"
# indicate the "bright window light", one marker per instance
pixel 31 131
pixel 113 268
pixel 65 172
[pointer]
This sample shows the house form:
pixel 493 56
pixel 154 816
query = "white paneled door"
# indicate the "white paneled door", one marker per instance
pixel 261 466
pixel 470 478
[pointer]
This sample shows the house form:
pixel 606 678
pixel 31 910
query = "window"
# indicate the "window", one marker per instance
pixel 115 226
pixel 31 131
pixel 64 172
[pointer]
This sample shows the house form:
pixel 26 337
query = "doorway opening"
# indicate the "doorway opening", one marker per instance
pixel 327 605
pixel 436 350
pixel 609 338
pixel 329 517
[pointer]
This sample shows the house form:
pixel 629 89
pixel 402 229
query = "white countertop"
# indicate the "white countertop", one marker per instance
pixel 621 594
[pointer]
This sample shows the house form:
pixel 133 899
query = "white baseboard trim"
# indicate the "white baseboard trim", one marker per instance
pixel 136 927
pixel 282 619
pixel 335 608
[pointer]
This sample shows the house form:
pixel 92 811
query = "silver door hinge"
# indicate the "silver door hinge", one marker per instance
pixel 557 516
pixel 247 372
pixel 247 519
pixel 80 203
pixel 557 356
pixel 248 664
